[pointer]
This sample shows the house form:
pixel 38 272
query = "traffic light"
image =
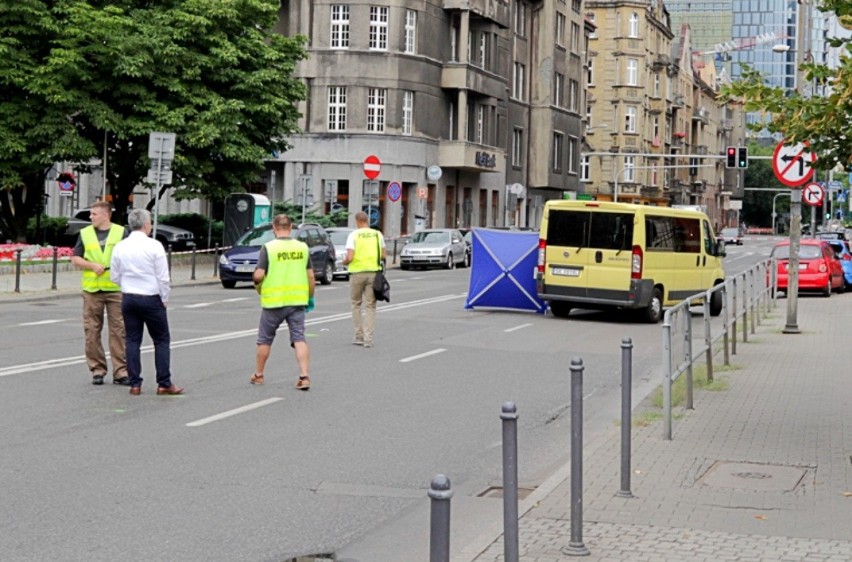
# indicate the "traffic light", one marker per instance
pixel 742 157
pixel 731 153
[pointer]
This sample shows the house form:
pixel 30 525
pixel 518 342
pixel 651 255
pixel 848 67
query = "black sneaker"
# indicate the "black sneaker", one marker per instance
pixel 97 379
pixel 124 381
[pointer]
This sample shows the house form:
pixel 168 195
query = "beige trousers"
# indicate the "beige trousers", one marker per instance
pixel 94 306
pixel 361 293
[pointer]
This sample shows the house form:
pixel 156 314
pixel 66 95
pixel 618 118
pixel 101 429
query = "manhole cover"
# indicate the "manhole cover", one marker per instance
pixel 752 476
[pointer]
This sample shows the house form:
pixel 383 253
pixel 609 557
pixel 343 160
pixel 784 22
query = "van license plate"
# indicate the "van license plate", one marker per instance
pixel 566 271
pixel 245 268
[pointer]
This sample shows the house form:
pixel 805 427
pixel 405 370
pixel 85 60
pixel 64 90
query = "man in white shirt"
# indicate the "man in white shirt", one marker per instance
pixel 139 266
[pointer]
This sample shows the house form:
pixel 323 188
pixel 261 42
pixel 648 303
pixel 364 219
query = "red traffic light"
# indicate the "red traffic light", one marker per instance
pixel 731 153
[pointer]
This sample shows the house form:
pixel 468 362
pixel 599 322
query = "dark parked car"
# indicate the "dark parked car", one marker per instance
pixel 239 262
pixel 178 238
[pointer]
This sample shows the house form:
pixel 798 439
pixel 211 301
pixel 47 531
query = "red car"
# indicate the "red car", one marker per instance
pixel 819 269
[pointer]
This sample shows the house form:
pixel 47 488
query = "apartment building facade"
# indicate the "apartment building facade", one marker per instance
pixel 472 107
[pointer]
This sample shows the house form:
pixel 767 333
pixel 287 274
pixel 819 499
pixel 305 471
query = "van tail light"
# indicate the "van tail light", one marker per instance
pixel 542 247
pixel 822 267
pixel 636 263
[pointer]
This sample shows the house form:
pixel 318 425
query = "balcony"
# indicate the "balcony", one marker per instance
pixel 463 76
pixel 701 114
pixel 471 157
pixel 727 125
pixel 677 101
pixel 661 61
pixel 677 144
pixel 494 10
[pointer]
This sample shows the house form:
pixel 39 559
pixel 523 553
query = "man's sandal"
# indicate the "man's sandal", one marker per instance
pixel 256 379
pixel 304 383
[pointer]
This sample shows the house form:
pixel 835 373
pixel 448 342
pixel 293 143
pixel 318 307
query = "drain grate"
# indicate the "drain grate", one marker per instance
pixel 497 492
pixel 753 476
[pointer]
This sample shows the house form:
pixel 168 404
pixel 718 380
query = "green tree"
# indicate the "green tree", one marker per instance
pixel 825 120
pixel 214 72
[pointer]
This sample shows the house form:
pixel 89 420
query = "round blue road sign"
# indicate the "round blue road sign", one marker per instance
pixel 394 191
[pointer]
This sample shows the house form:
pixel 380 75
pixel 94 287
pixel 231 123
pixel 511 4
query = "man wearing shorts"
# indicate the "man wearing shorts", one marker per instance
pixel 285 280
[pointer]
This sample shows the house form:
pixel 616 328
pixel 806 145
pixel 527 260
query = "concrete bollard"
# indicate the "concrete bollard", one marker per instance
pixel 439 529
pixel 626 409
pixel 575 546
pixel 509 415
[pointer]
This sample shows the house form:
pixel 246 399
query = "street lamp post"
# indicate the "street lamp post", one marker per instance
pixel 787 193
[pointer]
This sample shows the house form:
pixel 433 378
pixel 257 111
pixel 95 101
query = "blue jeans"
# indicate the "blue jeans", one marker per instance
pixel 141 311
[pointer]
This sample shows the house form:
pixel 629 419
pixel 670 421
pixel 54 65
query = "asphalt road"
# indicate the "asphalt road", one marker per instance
pixel 232 471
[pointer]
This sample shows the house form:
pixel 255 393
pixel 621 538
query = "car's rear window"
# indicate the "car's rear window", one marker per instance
pixel 583 229
pixel 730 232
pixel 338 237
pixel 805 252
pixel 431 237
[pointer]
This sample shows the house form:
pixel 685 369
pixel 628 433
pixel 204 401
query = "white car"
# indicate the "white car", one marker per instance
pixel 338 235
pixel 435 247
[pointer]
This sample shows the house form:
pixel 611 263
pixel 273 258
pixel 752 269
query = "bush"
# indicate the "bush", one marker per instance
pixel 295 213
pixel 51 231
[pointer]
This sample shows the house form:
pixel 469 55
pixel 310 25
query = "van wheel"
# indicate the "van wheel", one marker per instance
pixel 716 303
pixel 229 284
pixel 653 313
pixel 560 309
pixel 403 267
pixel 451 264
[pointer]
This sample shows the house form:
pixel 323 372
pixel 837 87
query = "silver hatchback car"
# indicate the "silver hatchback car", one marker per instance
pixel 435 247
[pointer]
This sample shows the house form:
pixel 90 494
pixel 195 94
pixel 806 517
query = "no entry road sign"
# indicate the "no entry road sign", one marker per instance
pixel 372 167
pixel 792 164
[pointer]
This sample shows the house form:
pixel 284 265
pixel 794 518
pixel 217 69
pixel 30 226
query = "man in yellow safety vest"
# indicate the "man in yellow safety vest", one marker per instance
pixel 365 247
pixel 285 280
pixel 92 254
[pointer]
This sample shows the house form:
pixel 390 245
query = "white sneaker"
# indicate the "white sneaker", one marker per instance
pixel 356 341
pixel 368 344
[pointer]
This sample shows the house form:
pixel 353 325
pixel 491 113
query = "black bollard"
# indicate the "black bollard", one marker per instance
pixel 192 275
pixel 575 546
pixel 18 270
pixel 55 260
pixel 169 258
pixel 509 415
pixel 439 532
pixel 216 260
pixel 626 382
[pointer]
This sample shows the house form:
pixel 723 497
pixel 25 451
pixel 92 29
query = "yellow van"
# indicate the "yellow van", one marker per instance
pixel 603 255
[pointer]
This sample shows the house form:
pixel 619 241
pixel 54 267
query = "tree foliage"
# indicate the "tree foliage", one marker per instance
pixel 824 121
pixel 110 72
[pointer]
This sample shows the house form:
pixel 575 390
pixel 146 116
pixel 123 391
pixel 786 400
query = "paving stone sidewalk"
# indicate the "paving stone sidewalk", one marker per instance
pixel 761 471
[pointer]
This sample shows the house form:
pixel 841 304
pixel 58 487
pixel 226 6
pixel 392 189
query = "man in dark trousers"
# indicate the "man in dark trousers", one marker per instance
pixel 92 254
pixel 285 281
pixel 139 266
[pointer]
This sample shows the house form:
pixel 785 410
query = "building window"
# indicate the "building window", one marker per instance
pixel 340 26
pixel 452 133
pixel 575 38
pixel 376 110
pixel 520 19
pixel 480 124
pixel 337 108
pixel 629 171
pixel 518 78
pixel 591 17
pixel 655 128
pixel 560 29
pixel 572 155
pixel 630 120
pixel 558 88
pixel 574 96
pixel 557 151
pixel 576 5
pixel 378 28
pixel 483 49
pixel 656 85
pixel 590 74
pixel 632 72
pixel 588 118
pixel 633 31
pixel 410 32
pixel 586 168
pixel 407 112
pixel 517 147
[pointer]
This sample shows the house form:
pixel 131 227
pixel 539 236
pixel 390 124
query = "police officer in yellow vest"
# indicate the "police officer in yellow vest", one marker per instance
pixel 92 254
pixel 364 248
pixel 285 280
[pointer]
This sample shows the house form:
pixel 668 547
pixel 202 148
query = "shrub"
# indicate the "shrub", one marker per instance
pixel 51 231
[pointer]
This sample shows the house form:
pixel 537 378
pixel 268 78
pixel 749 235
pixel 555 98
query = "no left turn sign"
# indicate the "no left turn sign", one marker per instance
pixel 813 194
pixel 792 164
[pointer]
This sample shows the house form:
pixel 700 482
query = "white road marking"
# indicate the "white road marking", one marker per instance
pixel 235 300
pixel 422 355
pixel 521 327
pixel 198 305
pixel 80 359
pixel 234 412
pixel 41 323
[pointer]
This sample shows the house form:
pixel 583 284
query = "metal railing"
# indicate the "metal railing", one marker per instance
pixel 745 299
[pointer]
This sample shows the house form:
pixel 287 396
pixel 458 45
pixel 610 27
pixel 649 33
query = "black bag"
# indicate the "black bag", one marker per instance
pixel 381 287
